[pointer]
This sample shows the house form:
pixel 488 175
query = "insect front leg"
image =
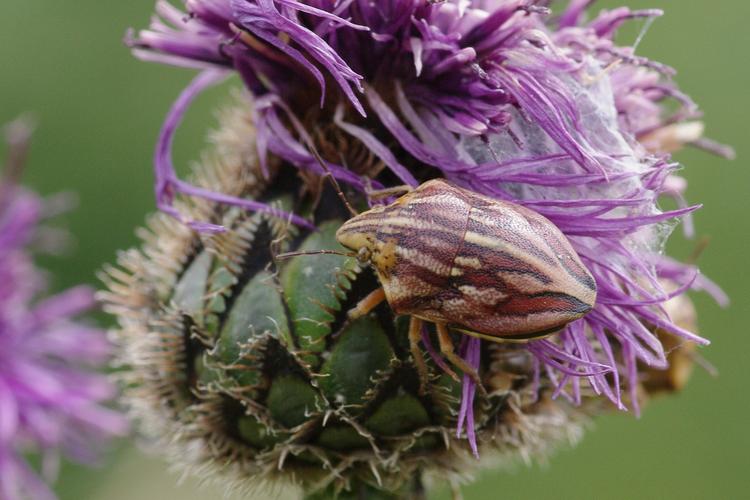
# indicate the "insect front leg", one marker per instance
pixel 367 304
pixel 379 194
pixel 447 349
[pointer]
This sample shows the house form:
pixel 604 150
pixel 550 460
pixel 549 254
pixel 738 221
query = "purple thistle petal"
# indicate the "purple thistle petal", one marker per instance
pixel 287 147
pixel 573 13
pixel 436 357
pixel 533 98
pixel 677 272
pixel 471 353
pixel 564 361
pixel 406 138
pixel 608 22
pixel 69 303
pixel 379 149
pixel 50 396
pixel 16 477
pixel 251 14
pixel 167 183
pixel 631 369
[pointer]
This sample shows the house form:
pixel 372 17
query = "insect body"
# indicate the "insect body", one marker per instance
pixel 487 268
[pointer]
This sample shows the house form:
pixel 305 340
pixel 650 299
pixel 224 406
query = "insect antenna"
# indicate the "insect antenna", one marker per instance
pixel 331 178
pixel 340 193
pixel 289 255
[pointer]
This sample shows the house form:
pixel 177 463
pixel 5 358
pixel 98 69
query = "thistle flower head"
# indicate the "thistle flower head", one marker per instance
pixel 50 398
pixel 497 96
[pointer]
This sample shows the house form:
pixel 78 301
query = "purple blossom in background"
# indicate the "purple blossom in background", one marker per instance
pixel 498 96
pixel 50 396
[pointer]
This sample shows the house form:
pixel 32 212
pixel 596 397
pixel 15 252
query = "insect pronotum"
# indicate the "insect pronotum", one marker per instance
pixel 466 262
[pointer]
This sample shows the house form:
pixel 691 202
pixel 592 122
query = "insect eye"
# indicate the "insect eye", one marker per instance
pixel 363 255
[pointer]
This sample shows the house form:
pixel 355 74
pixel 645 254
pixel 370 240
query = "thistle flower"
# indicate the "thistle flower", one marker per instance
pixel 50 398
pixel 498 97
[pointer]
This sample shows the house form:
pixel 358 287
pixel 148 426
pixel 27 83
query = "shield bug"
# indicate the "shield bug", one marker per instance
pixel 468 263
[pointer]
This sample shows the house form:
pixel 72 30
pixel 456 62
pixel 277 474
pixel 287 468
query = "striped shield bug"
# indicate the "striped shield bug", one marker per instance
pixel 468 263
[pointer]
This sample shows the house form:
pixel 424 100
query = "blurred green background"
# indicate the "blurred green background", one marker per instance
pixel 99 111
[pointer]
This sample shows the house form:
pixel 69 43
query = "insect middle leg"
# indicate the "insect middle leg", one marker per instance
pixel 447 349
pixel 415 336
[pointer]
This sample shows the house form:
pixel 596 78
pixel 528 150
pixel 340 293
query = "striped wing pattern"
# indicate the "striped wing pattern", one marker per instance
pixel 450 256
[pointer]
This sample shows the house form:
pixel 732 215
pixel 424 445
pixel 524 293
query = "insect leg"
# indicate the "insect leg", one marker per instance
pixel 367 304
pixel 446 347
pixel 415 335
pixel 378 194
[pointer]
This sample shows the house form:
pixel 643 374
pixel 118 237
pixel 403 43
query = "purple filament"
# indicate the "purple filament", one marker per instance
pixel 470 351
